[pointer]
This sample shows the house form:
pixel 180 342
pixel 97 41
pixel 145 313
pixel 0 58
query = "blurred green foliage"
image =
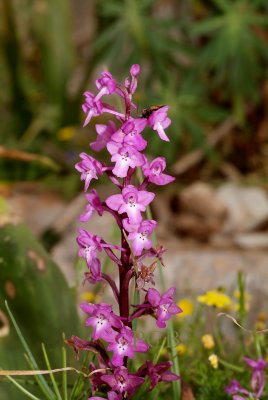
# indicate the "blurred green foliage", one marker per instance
pixel 206 59
pixel 39 297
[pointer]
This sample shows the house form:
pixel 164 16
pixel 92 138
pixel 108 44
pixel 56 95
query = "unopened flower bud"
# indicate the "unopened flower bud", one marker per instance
pixel 214 361
pixel 208 341
pixel 135 70
pixel 181 348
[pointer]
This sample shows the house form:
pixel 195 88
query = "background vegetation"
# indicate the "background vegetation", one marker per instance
pixel 206 59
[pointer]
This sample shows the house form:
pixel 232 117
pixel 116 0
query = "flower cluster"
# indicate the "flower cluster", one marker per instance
pixel 238 392
pixel 111 332
pixel 215 298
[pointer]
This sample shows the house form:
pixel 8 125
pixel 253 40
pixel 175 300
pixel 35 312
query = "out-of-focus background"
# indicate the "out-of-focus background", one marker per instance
pixel 207 60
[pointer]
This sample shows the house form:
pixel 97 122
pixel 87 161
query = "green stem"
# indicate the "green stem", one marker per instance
pixel 257 346
pixel 64 374
pixel 54 383
pixel 21 388
pixel 231 366
pixel 176 385
pixel 136 300
pixel 242 307
pixel 218 337
pixel 158 354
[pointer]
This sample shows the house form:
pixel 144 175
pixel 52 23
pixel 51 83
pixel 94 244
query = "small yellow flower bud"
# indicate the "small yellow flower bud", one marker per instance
pixel 181 348
pixel 262 316
pixel 88 297
pixel 187 307
pixel 214 361
pixel 208 341
pixel 164 352
pixel 260 325
pixel 66 133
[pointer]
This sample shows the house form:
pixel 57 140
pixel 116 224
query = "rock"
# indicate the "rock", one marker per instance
pixel 258 240
pixel 161 208
pixel 202 200
pixel 197 227
pixel 247 207
pixel 201 213
pixel 219 240
pixel 37 209
pixel 196 269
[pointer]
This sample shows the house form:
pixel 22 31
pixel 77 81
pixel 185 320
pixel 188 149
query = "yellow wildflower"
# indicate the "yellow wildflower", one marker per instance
pixel 88 297
pixel 215 298
pixel 214 361
pixel 262 316
pixel 66 133
pixel 181 348
pixel 260 325
pixel 261 322
pixel 208 341
pixel 187 307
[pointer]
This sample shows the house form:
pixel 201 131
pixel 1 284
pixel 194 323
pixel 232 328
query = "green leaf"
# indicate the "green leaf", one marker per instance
pixel 54 383
pixel 41 380
pixel 22 389
pixel 40 300
pixel 64 374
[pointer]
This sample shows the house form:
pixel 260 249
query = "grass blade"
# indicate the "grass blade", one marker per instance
pixel 64 374
pixel 53 381
pixel 40 380
pixel 136 300
pixel 158 354
pixel 22 389
pixel 80 383
pixel 176 385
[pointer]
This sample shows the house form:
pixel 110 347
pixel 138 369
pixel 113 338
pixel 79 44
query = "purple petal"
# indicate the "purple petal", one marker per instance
pixel 139 243
pixel 162 179
pixel 145 197
pixel 88 308
pixel 169 293
pixel 110 380
pixel 104 135
pixel 114 396
pixel 141 346
pixel 160 130
pixel 154 297
pixel 122 165
pixel 113 147
pixel 115 201
pixel 130 227
pixel 96 398
pixel 169 376
pixel 174 309
pixel 117 359
pixel 87 214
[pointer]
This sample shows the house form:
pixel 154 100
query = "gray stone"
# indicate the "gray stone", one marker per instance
pixel 202 200
pixel 247 207
pixel 199 268
pixel 254 240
